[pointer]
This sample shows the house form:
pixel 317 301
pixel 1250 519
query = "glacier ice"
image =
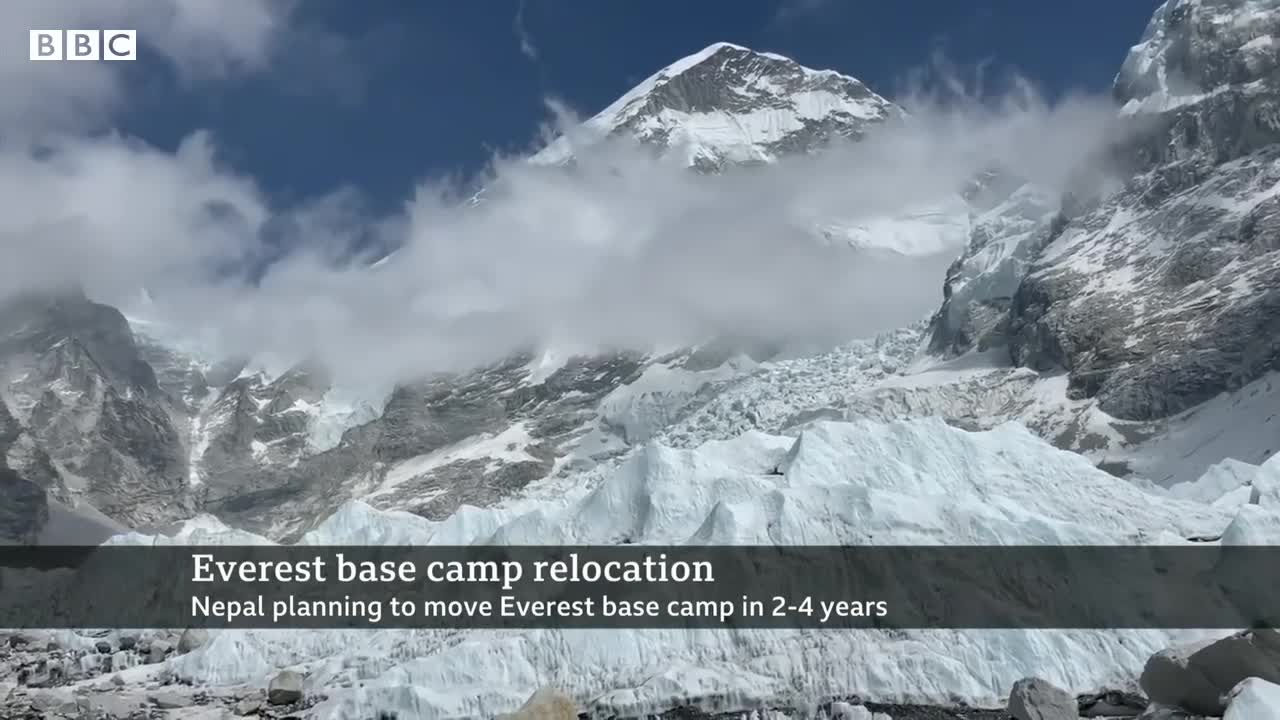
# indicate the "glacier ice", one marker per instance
pixel 1254 699
pixel 908 482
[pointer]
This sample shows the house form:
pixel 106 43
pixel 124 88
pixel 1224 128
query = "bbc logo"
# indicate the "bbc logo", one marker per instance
pixel 84 44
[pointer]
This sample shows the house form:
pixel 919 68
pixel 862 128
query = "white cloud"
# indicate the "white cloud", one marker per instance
pixel 621 250
pixel 625 250
pixel 108 213
pixel 200 40
pixel 527 48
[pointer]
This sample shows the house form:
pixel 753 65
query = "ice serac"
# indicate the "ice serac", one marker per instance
pixel 1254 699
pixel 1010 224
pixel 728 104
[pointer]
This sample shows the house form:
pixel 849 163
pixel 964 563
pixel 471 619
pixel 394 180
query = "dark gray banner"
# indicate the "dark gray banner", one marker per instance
pixel 636 586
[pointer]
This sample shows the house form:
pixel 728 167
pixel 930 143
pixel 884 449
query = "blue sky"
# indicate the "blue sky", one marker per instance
pixel 389 92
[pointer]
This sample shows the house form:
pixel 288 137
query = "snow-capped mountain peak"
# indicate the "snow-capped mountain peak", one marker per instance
pixel 728 104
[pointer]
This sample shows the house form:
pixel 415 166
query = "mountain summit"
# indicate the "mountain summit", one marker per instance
pixel 728 104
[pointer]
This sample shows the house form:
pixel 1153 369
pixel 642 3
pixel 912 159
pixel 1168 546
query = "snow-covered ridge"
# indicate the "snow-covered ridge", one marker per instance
pixel 916 482
pixel 1193 50
pixel 728 103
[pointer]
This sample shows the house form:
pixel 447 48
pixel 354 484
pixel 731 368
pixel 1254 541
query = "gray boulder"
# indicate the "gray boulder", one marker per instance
pixel 158 651
pixel 1198 677
pixel 192 639
pixel 1036 699
pixel 285 688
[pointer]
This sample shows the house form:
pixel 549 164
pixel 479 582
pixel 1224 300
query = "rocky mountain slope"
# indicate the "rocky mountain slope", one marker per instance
pixel 1157 298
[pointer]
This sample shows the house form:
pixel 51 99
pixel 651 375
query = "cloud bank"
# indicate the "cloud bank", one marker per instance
pixel 622 250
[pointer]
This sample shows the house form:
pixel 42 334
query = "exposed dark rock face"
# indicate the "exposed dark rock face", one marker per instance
pixel 1166 292
pixel 87 418
pixel 413 455
pixel 24 508
pixel 1154 310
pixel 147 447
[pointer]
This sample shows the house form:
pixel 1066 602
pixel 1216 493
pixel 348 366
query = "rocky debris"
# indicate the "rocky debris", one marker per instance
pixel 33 660
pixel 16 640
pixel 1198 677
pixel 1111 704
pixel 285 688
pixel 1253 699
pixel 75 680
pixel 122 701
pixel 1037 699
pixel 877 711
pixel 545 704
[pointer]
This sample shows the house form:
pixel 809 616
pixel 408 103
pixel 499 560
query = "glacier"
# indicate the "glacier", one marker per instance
pixel 864 482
